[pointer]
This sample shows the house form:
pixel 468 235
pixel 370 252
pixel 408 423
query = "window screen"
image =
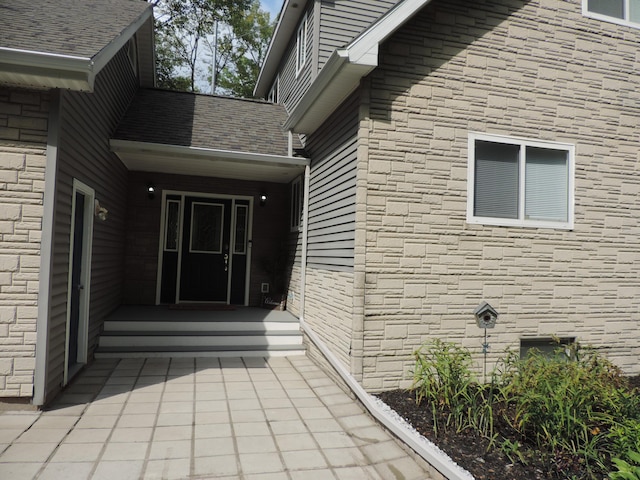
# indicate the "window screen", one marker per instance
pixel 496 175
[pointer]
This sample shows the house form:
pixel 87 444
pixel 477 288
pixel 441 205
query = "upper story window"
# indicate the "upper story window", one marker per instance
pixel 624 12
pixel 518 182
pixel 132 54
pixel 301 45
pixel 273 93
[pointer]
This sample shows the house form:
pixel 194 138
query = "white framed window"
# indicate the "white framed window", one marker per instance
pixel 520 182
pixel 274 92
pixel 132 54
pixel 297 197
pixel 622 12
pixel 301 45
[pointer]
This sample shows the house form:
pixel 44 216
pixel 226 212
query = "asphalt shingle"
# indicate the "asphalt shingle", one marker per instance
pixel 66 27
pixel 206 121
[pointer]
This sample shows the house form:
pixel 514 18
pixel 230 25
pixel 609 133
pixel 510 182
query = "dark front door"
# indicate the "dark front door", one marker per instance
pixel 76 279
pixel 206 238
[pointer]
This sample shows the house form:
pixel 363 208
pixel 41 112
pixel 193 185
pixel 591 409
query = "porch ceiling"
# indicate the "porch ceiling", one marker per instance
pixel 207 162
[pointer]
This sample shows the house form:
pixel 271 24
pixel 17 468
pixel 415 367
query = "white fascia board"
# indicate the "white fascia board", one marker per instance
pixel 336 81
pixel 105 55
pixel 289 17
pixel 128 146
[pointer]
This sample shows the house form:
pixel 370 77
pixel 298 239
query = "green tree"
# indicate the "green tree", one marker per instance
pixel 181 28
pixel 188 32
pixel 241 50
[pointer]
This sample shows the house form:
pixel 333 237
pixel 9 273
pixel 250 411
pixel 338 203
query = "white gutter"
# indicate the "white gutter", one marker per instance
pixel 46 254
pixel 337 79
pixel 52 70
pixel 30 58
pixel 128 146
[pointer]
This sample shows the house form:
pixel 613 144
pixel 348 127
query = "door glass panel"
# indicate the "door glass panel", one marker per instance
pixel 206 228
pixel 240 242
pixel 173 217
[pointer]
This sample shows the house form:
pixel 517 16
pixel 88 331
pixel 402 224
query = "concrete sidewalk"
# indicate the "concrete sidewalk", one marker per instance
pixel 228 418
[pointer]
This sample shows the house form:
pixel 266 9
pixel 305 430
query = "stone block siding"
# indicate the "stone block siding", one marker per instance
pixel 293 291
pixel 536 70
pixel 329 309
pixel 23 135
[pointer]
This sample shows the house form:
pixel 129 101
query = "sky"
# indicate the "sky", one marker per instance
pixel 272 6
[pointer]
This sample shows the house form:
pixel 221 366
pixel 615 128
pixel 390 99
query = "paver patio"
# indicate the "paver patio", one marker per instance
pixel 227 418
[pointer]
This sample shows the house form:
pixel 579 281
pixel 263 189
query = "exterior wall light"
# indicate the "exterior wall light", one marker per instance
pixel 100 212
pixel 263 199
pixel 151 191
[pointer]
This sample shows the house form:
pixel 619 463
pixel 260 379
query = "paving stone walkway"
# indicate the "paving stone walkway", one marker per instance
pixel 186 418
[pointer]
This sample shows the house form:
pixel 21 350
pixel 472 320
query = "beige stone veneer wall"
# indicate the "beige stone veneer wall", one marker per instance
pixel 23 136
pixel 329 309
pixel 537 70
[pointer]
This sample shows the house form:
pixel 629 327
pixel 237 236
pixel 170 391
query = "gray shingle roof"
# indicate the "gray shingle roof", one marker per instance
pixel 65 27
pixel 193 120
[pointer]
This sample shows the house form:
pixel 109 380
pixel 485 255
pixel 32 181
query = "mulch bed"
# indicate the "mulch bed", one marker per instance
pixel 469 450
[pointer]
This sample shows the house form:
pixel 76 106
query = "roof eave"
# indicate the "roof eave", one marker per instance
pixel 36 69
pixel 105 55
pixel 289 17
pixel 335 82
pixel 39 69
pixel 211 162
pixel 346 67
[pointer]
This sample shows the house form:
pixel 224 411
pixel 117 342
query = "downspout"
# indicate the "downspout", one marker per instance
pixel 305 242
pixel 46 252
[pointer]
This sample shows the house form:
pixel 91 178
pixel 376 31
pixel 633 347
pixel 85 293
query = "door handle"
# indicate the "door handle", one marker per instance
pixel 226 262
pixel 79 287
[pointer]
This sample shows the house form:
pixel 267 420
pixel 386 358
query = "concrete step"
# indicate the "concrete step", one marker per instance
pixel 196 326
pixel 160 332
pixel 198 339
pixel 219 351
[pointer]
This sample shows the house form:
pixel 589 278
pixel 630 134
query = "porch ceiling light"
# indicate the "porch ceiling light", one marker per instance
pixel 263 199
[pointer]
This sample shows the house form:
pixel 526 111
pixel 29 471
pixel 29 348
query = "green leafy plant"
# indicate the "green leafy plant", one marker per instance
pixel 574 409
pixel 512 450
pixel 626 470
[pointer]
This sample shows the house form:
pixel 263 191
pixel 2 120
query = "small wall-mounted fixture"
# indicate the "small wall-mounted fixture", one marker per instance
pixel 151 191
pixel 486 316
pixel 100 212
pixel 263 199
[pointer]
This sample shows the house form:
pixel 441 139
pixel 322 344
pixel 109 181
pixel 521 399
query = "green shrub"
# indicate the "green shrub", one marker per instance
pixel 442 378
pixel 574 408
pixel 626 470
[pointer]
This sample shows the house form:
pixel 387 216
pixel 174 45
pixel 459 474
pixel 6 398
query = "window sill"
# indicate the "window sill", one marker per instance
pixel 506 222
pixel 617 21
